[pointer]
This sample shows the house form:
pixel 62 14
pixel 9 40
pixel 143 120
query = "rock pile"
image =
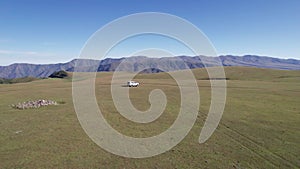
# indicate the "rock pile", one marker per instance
pixel 34 104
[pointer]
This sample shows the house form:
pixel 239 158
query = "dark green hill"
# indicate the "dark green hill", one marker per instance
pixel 59 74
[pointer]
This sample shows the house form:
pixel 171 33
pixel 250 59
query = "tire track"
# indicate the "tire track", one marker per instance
pixel 272 158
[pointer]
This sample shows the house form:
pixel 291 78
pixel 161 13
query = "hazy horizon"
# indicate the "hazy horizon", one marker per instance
pixel 54 62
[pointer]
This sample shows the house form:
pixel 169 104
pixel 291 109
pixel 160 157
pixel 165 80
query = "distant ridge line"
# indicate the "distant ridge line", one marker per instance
pixel 146 64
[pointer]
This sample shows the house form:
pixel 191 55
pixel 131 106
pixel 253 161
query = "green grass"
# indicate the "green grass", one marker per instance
pixel 260 127
pixel 17 80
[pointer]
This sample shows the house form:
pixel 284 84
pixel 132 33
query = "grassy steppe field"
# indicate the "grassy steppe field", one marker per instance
pixel 260 127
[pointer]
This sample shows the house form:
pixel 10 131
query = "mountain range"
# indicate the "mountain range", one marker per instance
pixel 145 65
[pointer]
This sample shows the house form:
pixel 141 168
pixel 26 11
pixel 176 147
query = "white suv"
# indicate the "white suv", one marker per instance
pixel 132 84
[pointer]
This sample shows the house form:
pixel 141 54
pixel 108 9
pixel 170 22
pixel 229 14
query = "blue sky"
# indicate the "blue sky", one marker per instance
pixel 35 31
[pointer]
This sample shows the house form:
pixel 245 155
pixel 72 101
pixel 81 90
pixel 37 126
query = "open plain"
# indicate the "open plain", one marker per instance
pixel 260 127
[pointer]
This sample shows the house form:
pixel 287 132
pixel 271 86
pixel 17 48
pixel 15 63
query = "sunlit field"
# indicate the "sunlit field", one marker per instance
pixel 260 127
